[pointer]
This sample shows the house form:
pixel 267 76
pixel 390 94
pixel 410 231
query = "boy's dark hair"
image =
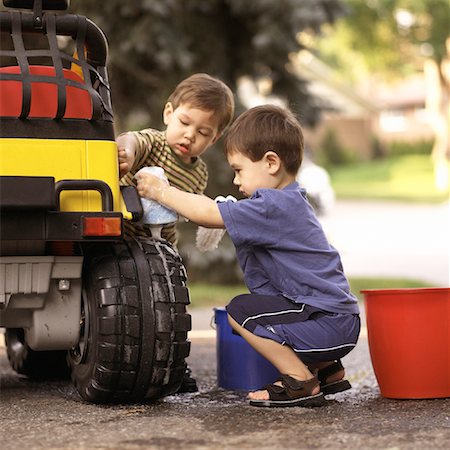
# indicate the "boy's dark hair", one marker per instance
pixel 205 92
pixel 267 128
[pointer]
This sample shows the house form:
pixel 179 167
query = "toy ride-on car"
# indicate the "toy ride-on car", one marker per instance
pixel 75 296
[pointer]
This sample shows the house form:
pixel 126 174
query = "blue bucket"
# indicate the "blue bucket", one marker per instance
pixel 239 366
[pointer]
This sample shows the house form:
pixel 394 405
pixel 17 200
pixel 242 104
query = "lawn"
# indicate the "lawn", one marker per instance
pixel 210 295
pixel 204 294
pixel 404 178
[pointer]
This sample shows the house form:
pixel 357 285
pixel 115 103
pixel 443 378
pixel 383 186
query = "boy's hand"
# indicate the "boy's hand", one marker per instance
pixel 126 151
pixel 150 186
pixel 124 162
pixel 197 208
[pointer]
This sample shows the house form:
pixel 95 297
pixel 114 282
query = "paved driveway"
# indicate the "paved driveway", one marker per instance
pixel 374 239
pixel 392 239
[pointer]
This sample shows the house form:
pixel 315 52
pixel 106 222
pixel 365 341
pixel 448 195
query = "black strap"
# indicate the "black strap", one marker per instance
pixel 80 39
pixel 22 60
pixel 57 64
pixel 101 109
pixel 48 78
pixel 37 14
pixel 327 371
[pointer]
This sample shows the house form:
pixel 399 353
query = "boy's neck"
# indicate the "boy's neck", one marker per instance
pixel 285 180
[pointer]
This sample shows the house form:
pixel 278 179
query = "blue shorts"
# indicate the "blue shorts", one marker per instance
pixel 315 335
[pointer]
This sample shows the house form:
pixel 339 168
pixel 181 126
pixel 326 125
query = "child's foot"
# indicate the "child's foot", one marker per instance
pixel 263 394
pixel 332 380
pixel 188 384
pixel 288 391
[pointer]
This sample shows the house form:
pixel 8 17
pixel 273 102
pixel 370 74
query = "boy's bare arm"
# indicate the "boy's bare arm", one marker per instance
pixel 199 209
pixel 126 146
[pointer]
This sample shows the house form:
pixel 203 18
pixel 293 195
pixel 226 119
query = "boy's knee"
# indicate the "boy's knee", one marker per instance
pixel 237 301
pixel 234 306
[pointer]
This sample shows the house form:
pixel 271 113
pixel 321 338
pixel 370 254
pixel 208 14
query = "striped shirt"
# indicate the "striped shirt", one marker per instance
pixel 152 149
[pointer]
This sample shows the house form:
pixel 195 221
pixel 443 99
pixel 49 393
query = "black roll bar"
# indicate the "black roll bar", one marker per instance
pixel 86 185
pixel 66 25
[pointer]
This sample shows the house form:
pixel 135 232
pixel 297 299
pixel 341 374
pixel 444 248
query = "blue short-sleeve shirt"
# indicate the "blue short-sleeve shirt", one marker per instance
pixel 283 250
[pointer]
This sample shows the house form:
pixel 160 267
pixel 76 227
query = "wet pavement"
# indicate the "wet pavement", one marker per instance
pixel 52 416
pixel 374 239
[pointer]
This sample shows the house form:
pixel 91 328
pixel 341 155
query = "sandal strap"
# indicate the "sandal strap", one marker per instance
pixel 291 389
pixel 276 392
pixel 326 372
pixel 269 386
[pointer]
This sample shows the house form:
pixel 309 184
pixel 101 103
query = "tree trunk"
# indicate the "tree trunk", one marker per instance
pixel 438 107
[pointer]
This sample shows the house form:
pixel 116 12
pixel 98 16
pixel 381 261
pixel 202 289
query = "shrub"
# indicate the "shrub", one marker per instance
pixel 332 153
pixel 398 148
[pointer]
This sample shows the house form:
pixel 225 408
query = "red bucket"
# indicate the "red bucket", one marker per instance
pixel 409 341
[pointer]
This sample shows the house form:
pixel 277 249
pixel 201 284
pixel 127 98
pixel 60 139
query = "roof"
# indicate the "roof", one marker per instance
pixel 324 83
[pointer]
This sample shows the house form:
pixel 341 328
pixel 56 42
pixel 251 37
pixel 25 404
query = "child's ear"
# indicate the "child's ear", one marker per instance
pixel 168 111
pixel 273 162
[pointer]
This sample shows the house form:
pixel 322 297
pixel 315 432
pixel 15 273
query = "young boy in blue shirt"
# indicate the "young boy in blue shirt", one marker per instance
pixel 300 313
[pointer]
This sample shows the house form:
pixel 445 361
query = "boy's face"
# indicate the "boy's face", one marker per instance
pixel 190 131
pixel 252 175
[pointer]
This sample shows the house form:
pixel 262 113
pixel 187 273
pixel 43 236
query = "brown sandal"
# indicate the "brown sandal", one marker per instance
pixel 334 386
pixel 292 393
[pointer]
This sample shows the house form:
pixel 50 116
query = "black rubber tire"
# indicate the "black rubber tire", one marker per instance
pixel 37 365
pixel 134 329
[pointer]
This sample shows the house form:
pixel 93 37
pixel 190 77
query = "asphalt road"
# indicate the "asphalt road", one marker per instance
pixel 374 239
pixel 392 239
pixel 52 416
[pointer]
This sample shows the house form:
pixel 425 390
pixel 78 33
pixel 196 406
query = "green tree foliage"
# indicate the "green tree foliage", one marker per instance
pixel 155 43
pixel 394 38
pixel 389 37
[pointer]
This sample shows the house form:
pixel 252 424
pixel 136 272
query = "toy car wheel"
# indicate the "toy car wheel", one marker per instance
pixel 37 365
pixel 133 335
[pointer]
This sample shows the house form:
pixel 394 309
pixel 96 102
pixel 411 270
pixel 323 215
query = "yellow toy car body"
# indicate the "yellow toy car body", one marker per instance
pixel 75 296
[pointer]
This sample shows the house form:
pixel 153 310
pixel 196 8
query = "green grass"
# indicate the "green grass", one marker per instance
pixel 357 284
pixel 203 294
pixel 404 178
pixel 211 295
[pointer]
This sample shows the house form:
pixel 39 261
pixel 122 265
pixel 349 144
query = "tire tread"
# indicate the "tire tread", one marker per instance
pixel 122 344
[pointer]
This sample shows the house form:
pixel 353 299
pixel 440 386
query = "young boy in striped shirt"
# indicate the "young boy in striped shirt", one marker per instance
pixel 196 114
